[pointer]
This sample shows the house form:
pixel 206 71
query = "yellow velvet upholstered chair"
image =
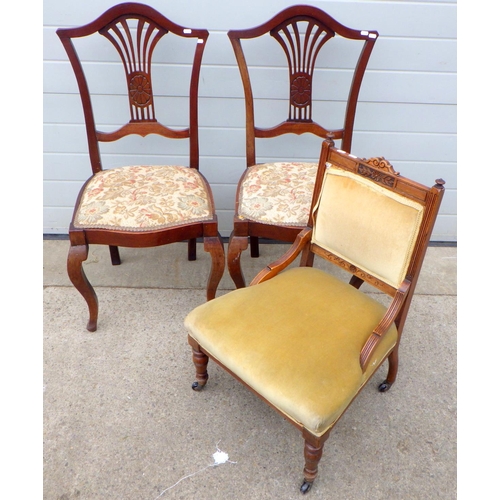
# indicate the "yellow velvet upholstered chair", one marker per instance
pixel 304 340
pixel 139 204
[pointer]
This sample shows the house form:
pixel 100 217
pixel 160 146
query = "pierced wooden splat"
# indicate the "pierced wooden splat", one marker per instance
pixel 136 51
pixel 301 39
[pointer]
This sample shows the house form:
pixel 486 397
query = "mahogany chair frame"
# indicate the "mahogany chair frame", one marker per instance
pixel 381 172
pixel 136 55
pixel 301 58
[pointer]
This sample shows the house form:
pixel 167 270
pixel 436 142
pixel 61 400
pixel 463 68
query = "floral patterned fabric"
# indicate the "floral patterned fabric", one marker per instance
pixel 277 193
pixel 141 198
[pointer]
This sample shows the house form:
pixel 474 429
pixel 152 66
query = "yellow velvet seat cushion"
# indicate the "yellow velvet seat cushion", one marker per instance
pixel 296 340
pixel 144 197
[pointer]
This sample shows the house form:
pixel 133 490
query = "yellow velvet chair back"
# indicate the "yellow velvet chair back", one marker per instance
pixel 370 220
pixel 374 228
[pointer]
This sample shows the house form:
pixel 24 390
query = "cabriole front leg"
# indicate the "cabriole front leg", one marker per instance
pixel 236 245
pixel 215 247
pixel 76 256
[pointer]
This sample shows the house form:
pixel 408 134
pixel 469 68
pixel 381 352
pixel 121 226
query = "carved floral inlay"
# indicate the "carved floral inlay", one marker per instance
pixel 140 89
pixel 382 164
pixel 300 90
pixel 376 175
pixel 352 268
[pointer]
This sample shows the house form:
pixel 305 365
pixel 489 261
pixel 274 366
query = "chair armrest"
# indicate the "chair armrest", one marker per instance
pixel 286 259
pixel 389 317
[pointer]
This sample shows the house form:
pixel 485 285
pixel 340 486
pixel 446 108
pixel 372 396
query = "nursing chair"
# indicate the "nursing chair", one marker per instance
pixel 305 340
pixel 139 205
pixel 273 198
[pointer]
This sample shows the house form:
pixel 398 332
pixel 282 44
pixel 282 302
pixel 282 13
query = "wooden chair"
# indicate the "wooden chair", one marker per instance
pixel 140 205
pixel 304 340
pixel 273 199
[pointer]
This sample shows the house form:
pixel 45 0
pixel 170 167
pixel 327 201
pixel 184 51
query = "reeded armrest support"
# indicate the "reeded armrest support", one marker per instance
pixel 286 259
pixel 389 317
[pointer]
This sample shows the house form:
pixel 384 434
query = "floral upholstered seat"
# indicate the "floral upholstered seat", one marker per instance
pixel 277 193
pixel 140 198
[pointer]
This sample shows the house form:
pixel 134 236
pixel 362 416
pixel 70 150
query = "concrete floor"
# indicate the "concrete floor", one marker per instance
pixel 121 421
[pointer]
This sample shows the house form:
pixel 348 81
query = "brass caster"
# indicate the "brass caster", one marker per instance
pixel 196 386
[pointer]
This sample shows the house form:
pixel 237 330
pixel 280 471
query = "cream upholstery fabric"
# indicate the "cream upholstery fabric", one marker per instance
pixel 140 198
pixel 295 339
pixel 277 193
pixel 366 224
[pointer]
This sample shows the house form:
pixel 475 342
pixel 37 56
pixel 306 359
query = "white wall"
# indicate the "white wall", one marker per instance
pixel 406 112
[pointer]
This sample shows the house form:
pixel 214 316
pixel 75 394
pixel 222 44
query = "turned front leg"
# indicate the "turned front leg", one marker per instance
pixel 200 361
pixel 313 450
pixel 312 455
pixel 393 359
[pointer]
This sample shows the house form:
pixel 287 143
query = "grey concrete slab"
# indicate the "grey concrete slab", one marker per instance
pixel 121 421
